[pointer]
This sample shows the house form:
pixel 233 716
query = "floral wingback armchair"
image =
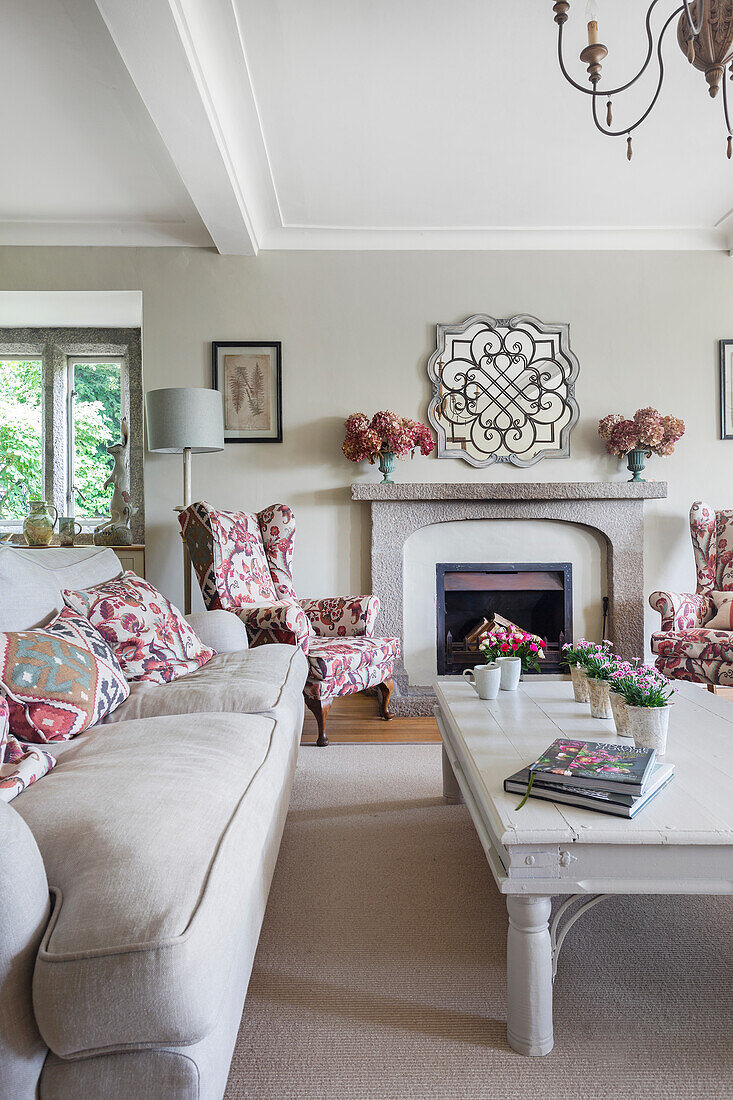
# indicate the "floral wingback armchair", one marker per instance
pixel 691 644
pixel 243 564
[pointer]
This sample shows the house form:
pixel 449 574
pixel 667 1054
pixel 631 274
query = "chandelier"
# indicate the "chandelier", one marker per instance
pixel 704 34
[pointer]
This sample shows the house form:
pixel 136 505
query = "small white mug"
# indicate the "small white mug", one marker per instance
pixel 485 679
pixel 511 672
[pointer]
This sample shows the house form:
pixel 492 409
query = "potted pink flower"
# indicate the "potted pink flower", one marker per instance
pixel 646 434
pixel 384 438
pixel 515 651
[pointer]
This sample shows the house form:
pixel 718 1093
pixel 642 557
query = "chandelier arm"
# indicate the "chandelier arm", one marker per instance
pixel 642 70
pixel 694 30
pixel 725 105
pixel 628 129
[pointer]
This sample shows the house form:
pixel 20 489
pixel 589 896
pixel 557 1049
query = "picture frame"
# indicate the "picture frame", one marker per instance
pixel 248 375
pixel 725 353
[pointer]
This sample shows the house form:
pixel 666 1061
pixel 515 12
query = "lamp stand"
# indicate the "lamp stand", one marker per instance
pixel 186 555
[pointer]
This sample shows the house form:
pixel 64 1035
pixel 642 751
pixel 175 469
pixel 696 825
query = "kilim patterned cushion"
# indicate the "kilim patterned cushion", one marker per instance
pixel 59 680
pixel 147 634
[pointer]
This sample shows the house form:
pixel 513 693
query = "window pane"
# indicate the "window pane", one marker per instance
pixel 21 435
pixel 97 412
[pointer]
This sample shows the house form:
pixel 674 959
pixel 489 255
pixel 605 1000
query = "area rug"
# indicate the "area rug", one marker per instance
pixel 381 967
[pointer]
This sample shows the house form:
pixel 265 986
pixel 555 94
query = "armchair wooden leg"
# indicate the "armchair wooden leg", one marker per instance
pixel 385 694
pixel 319 710
pixel 711 688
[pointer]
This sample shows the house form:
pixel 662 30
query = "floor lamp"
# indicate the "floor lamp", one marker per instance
pixel 185 420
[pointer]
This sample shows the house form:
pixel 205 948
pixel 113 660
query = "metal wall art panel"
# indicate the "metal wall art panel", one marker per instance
pixel 503 390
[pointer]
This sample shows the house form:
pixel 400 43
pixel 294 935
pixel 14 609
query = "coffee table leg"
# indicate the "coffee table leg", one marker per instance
pixel 529 976
pixel 451 790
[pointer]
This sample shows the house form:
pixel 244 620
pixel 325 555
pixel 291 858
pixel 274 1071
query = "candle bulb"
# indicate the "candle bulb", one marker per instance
pixel 591 17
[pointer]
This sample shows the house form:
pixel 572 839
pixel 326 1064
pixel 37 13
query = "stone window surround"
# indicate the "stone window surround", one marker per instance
pixel 615 510
pixel 53 346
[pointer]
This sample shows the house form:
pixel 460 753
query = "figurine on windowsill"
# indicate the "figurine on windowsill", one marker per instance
pixel 117 531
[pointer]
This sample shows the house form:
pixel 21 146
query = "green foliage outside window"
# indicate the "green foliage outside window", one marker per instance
pixel 96 425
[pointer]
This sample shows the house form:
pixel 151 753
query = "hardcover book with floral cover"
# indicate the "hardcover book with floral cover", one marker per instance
pixel 596 765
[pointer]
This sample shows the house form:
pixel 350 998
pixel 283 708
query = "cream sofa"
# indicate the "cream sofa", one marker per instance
pixel 134 876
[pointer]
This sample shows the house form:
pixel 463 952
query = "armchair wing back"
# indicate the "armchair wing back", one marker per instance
pixel 240 558
pixel 712 543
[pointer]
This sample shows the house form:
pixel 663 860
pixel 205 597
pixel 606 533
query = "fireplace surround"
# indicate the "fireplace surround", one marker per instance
pixel 615 510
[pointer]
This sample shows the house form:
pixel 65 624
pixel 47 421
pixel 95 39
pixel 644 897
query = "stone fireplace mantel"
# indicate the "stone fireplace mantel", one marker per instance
pixel 615 509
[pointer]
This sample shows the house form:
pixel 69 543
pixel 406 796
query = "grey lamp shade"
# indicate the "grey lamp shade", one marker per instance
pixel 181 417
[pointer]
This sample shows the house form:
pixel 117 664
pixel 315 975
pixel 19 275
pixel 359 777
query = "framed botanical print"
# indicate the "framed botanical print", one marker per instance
pixel 248 375
pixel 726 388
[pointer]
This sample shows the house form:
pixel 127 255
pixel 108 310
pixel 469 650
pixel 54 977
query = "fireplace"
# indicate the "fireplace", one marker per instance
pixel 538 597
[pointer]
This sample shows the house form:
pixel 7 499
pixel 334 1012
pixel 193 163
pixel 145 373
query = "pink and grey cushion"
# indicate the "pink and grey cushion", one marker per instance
pixel 59 680
pixel 20 765
pixel 335 633
pixel 147 634
pixel 694 642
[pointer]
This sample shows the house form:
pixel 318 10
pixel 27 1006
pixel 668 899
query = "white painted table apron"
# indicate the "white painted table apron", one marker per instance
pixel 681 843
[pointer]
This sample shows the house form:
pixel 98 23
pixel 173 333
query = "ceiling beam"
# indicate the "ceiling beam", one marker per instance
pixel 164 59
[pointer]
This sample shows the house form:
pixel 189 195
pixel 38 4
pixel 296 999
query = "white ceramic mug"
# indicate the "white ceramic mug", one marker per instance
pixel 511 671
pixel 485 679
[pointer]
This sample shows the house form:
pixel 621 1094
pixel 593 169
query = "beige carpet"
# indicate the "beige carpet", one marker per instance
pixel 380 971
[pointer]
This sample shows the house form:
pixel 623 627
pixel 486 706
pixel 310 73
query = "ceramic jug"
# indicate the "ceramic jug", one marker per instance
pixel 38 525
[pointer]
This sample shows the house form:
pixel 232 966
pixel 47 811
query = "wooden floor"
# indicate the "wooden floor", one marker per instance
pixel 355 718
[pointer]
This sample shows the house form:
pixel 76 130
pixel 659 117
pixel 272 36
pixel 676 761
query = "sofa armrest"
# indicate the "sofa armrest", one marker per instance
pixel 24 913
pixel 682 610
pixel 343 616
pixel 276 622
pixel 219 630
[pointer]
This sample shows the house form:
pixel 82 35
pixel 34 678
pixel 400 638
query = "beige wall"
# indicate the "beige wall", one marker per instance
pixel 357 329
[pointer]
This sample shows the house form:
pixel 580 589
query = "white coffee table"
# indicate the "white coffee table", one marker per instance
pixel 681 843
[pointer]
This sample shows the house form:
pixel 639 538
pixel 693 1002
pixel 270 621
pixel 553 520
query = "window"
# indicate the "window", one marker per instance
pixel 63 393
pixel 95 389
pixel 21 435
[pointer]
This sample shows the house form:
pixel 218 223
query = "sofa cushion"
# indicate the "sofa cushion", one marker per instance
pixel 148 635
pixel 249 682
pixel 59 680
pixel 31 580
pixel 152 837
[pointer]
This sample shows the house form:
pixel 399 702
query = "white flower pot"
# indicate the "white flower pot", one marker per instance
pixel 511 672
pixel 485 679
pixel 648 726
pixel 580 683
pixel 619 711
pixel 600 704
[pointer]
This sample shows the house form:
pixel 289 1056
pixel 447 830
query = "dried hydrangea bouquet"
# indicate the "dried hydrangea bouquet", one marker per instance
pixel 383 438
pixel 648 433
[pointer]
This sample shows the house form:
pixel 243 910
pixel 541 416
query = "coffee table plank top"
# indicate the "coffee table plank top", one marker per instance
pixel 492 739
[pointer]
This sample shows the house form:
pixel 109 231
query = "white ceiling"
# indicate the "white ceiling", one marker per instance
pixel 346 124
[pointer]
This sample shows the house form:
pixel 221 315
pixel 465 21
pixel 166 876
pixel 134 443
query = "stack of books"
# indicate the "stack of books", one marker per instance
pixel 610 778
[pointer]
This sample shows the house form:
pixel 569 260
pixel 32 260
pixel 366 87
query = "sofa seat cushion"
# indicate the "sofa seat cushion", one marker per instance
pixel 249 681
pixel 328 659
pixel 151 835
pixel 701 644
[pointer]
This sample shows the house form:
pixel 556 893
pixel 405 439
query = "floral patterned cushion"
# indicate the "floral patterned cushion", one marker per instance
pixel 147 634
pixel 349 682
pixel 702 644
pixel 329 659
pixel 19 765
pixel 59 680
